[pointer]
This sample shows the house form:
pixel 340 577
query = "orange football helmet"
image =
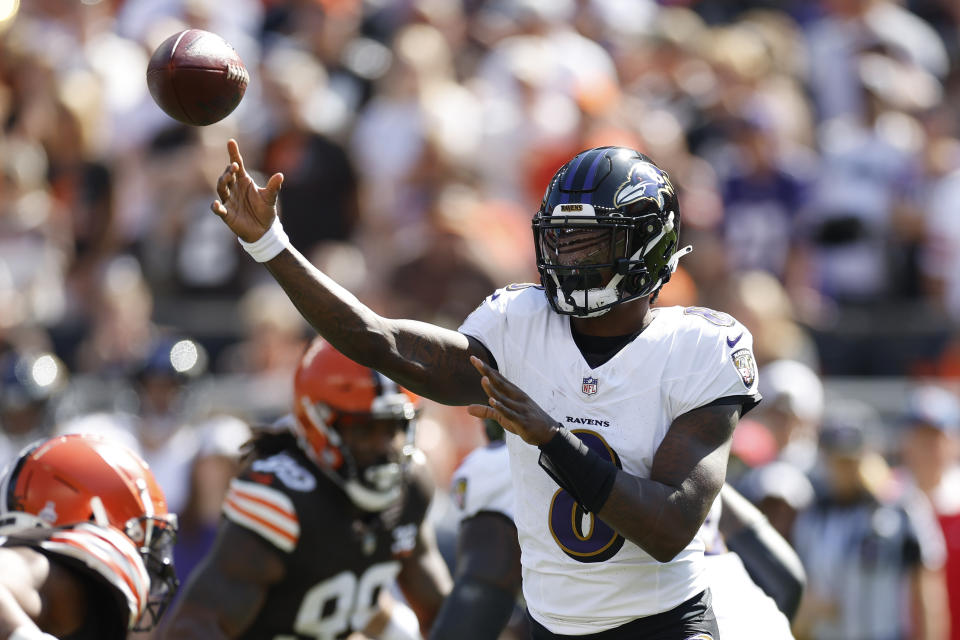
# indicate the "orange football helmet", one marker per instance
pixel 78 478
pixel 333 394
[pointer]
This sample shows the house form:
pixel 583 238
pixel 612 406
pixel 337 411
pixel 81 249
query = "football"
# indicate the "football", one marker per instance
pixel 196 77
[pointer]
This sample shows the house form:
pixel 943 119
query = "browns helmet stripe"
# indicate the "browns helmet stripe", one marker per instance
pixel 111 555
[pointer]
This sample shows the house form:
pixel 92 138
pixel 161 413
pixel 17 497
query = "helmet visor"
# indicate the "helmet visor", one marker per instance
pixel 581 246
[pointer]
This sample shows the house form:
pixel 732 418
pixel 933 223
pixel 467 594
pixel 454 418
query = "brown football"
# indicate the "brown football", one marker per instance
pixel 196 77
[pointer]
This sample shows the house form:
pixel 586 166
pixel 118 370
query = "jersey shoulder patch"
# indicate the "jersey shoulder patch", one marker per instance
pixel 265 510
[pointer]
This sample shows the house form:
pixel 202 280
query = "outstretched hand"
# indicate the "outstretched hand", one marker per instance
pixel 513 409
pixel 247 209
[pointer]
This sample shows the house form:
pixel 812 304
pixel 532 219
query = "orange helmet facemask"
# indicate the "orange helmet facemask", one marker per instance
pixel 333 394
pixel 86 478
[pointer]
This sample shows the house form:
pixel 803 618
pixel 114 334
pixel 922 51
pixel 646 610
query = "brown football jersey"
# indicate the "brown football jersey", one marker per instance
pixel 337 557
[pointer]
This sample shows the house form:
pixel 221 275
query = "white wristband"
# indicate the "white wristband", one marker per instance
pixel 270 244
pixel 29 632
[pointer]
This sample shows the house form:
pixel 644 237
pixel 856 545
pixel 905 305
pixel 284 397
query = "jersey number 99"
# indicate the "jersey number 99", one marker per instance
pixel 342 602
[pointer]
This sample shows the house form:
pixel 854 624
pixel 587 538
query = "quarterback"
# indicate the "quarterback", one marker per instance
pixel 620 416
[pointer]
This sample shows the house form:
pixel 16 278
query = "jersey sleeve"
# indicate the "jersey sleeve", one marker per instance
pixel 714 362
pixel 263 509
pixel 489 322
pixel 482 483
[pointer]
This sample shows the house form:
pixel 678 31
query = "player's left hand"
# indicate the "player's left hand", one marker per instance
pixel 511 407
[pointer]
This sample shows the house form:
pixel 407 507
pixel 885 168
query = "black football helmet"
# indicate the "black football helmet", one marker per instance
pixel 606 231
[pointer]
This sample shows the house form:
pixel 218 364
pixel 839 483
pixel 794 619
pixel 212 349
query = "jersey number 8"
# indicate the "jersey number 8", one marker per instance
pixel 581 535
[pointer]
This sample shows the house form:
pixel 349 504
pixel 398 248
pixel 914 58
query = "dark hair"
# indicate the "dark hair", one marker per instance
pixel 265 442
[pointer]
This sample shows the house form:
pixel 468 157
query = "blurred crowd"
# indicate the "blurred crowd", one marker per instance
pixel 816 146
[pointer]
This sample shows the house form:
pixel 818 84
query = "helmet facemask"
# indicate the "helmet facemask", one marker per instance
pixel 154 534
pixel 156 548
pixel 378 484
pixel 588 264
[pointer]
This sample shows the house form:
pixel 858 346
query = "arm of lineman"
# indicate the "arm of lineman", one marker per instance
pixel 226 592
pixel 487 581
pixel 429 360
pixel 424 580
pixel 38 597
pixel 769 559
pixel 660 514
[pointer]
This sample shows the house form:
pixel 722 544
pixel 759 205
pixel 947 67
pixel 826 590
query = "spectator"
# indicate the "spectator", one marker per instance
pixel 30 384
pixel 763 192
pixel 274 335
pixel 767 310
pixel 316 168
pixel 792 409
pixel 444 279
pixel 873 568
pixel 931 474
pixel 780 491
pixel 940 257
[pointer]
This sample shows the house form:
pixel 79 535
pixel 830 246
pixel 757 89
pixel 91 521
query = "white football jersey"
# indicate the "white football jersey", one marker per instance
pixel 743 610
pixel 482 482
pixel 580 576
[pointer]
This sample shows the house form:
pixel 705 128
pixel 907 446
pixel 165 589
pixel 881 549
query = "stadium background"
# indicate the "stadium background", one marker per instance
pixel 816 146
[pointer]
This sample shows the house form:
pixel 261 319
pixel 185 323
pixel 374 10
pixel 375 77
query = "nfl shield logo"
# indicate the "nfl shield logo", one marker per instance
pixel 589 386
